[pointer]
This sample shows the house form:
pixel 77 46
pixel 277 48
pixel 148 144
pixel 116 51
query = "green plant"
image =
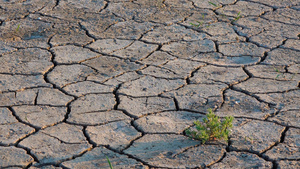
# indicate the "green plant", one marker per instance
pixel 110 165
pixel 249 138
pixel 238 16
pixel 199 23
pixel 213 4
pixel 203 17
pixel 278 73
pixel 283 75
pixel 18 27
pixel 212 128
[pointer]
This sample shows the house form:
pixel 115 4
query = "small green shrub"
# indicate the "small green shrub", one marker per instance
pixel 212 129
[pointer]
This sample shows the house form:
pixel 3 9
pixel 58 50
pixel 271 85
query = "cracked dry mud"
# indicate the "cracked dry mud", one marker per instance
pixel 83 80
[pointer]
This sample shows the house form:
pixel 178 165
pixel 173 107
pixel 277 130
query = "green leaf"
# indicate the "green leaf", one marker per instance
pixel 18 28
pixel 213 4
pixel 110 165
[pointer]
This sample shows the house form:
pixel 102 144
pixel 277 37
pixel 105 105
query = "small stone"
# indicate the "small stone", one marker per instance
pixel 118 135
pixel 72 54
pixel 289 149
pixel 174 151
pixel 12 156
pixel 187 50
pixel 167 122
pixel 40 116
pixel 138 107
pixel 97 157
pixel 149 86
pixel 62 75
pixel 239 160
pixel 87 87
pixel 211 74
pixel 254 136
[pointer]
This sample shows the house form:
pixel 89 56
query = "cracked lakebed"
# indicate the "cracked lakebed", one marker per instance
pixel 81 81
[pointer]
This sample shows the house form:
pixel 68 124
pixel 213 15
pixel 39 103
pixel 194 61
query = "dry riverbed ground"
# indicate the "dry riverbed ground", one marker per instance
pixel 82 80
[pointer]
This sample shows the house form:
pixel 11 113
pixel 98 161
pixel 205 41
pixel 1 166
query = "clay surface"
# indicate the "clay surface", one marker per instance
pixel 86 80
